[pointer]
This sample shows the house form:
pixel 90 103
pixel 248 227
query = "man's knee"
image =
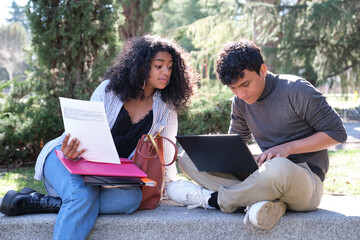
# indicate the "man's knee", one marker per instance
pixel 280 164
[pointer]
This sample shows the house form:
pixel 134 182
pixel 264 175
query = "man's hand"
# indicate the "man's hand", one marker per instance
pixel 70 149
pixel 316 142
pixel 282 150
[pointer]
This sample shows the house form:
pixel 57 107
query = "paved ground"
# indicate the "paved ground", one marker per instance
pixel 353 140
pixel 353 131
pixel 337 218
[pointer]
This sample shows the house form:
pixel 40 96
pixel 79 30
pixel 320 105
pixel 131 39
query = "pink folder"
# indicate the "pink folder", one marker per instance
pixel 126 169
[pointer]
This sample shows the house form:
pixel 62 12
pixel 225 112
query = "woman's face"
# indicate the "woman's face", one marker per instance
pixel 160 72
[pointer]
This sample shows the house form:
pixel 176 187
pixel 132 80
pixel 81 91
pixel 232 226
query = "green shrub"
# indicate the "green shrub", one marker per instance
pixel 26 122
pixel 209 111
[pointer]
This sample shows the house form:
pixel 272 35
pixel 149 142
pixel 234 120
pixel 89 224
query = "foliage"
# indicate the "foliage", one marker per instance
pixel 316 39
pixel 17 125
pixel 18 14
pixel 209 111
pixel 201 27
pixel 73 42
pixel 320 40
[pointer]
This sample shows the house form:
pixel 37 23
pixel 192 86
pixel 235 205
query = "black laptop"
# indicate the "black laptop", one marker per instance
pixel 224 153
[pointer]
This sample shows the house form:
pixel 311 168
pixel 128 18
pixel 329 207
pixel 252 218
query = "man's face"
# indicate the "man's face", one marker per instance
pixel 250 87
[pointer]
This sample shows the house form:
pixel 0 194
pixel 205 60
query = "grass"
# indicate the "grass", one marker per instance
pixel 342 101
pixel 19 178
pixel 342 179
pixel 343 176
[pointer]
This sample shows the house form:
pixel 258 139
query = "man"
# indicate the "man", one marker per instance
pixel 293 125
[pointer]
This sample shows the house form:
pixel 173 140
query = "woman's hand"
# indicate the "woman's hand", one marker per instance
pixel 70 149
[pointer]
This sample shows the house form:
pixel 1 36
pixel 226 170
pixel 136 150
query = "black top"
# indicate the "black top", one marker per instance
pixel 126 134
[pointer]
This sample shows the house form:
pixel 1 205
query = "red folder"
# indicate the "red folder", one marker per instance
pixel 126 169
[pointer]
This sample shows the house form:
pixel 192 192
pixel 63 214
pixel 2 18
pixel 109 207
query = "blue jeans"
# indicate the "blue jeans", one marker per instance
pixel 81 204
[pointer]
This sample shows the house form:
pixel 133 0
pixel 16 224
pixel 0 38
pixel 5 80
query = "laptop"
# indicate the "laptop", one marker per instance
pixel 224 153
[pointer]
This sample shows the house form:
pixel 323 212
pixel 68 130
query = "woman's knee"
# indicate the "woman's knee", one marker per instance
pixel 135 194
pixel 120 200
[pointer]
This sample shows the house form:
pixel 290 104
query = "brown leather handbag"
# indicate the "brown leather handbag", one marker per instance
pixel 149 157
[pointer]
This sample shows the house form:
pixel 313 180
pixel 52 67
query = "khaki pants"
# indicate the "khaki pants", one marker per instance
pixel 279 178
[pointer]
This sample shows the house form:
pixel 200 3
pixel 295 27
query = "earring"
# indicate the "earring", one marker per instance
pixel 144 85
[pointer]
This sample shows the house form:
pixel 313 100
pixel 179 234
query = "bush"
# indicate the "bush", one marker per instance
pixel 209 111
pixel 26 122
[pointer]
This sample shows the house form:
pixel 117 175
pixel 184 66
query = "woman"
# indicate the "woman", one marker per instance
pixel 150 81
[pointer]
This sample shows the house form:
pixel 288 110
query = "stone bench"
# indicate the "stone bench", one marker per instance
pixel 338 217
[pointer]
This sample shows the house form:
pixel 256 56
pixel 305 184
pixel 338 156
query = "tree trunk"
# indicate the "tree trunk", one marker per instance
pixel 137 15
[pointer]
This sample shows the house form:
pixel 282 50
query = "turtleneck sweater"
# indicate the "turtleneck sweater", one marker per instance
pixel 289 109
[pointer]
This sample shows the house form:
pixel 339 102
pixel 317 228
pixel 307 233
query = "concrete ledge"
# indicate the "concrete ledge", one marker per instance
pixel 338 217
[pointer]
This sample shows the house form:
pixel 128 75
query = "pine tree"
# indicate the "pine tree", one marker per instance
pixel 18 14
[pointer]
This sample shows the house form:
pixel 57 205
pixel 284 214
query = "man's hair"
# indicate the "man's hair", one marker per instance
pixel 234 58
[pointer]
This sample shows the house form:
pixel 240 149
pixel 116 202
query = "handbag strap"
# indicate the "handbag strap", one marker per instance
pixel 152 139
pixel 172 143
pixel 152 142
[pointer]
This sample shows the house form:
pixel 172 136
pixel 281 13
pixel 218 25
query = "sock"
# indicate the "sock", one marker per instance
pixel 213 200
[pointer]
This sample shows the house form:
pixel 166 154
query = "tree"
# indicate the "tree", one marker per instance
pixel 324 43
pixel 137 16
pixel 315 39
pixel 73 42
pixel 200 26
pixel 18 15
pixel 13 40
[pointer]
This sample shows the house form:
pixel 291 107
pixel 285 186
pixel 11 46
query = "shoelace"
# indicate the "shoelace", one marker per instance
pixel 200 200
pixel 246 218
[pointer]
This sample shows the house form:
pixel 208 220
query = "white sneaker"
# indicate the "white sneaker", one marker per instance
pixel 265 214
pixel 190 194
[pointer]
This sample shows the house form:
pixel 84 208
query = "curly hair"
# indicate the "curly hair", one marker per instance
pixel 234 58
pixel 131 70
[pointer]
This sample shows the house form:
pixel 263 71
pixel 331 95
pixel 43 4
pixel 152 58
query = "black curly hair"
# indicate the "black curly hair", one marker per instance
pixel 133 65
pixel 234 58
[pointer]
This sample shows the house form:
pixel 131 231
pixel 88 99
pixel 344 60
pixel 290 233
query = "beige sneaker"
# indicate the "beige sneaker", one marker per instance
pixel 265 214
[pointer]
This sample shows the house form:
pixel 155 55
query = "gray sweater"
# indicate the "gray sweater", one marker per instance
pixel 289 109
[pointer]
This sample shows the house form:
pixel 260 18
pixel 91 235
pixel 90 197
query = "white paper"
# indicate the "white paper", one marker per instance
pixel 87 122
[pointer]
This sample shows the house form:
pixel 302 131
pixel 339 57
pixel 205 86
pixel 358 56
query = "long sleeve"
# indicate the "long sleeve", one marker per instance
pixel 238 123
